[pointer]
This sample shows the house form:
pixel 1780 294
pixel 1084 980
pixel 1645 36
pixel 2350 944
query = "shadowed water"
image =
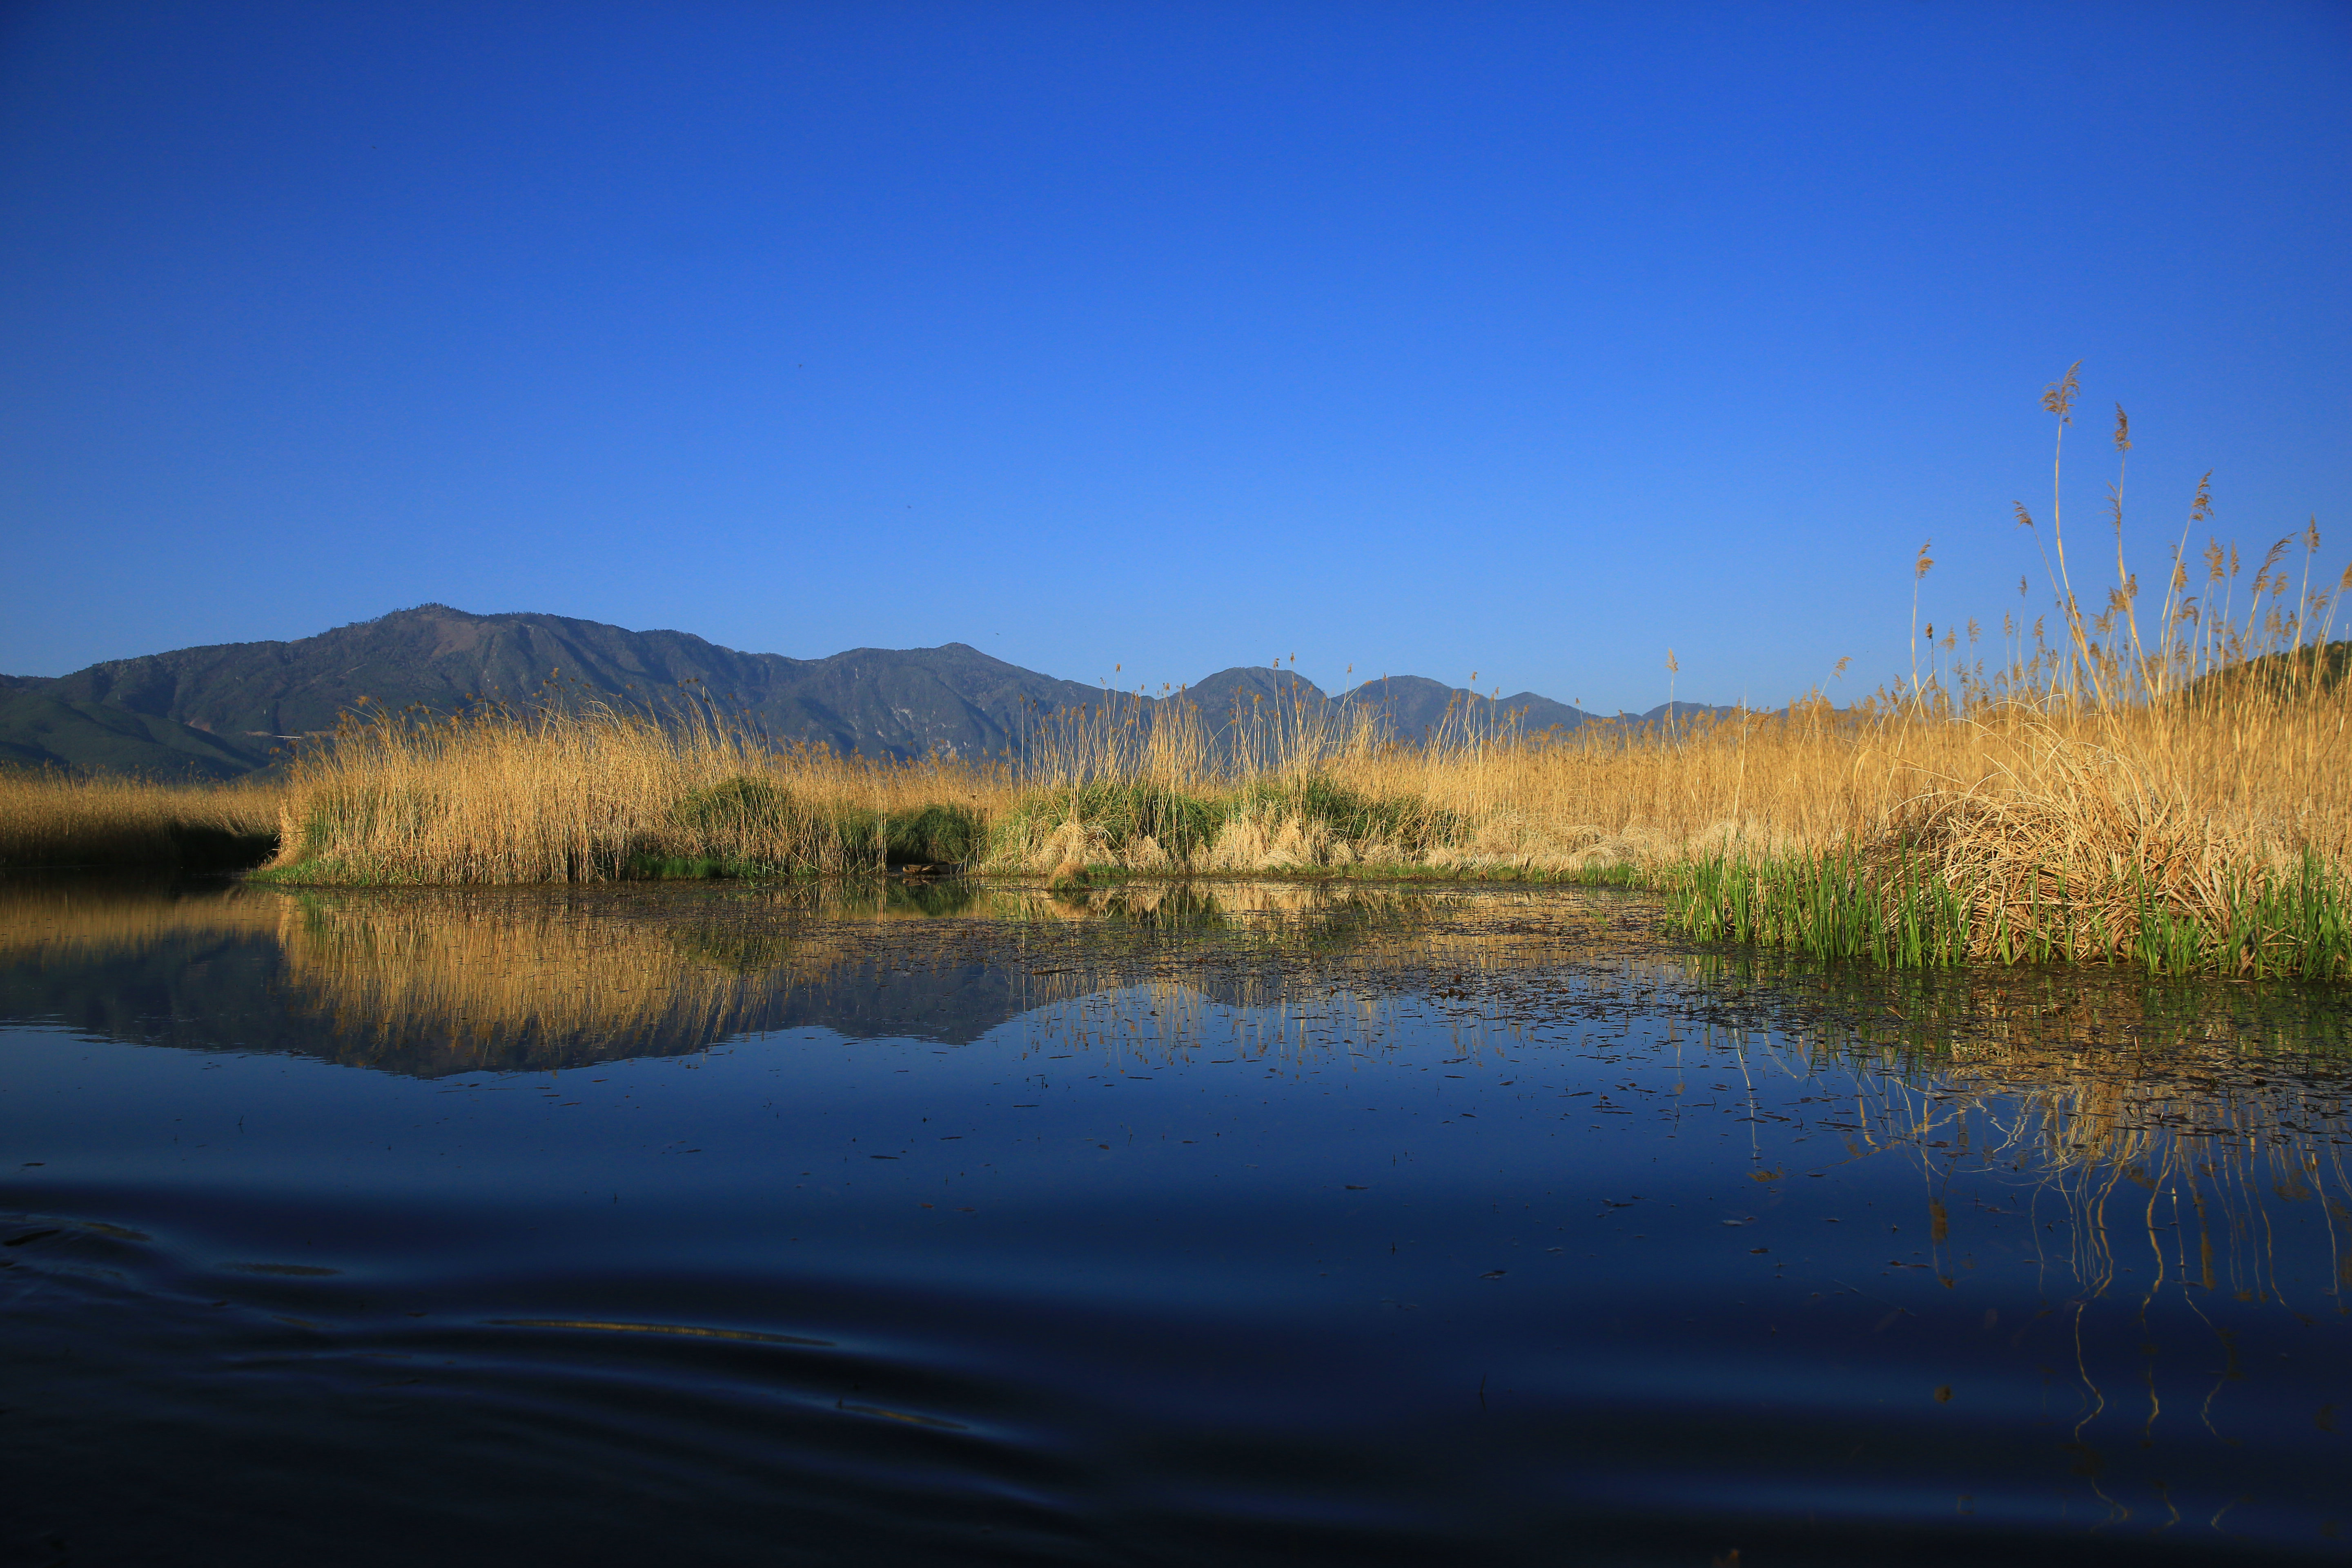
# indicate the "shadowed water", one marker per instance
pixel 1232 1222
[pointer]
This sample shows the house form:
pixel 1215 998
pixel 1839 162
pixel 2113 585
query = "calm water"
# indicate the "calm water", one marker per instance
pixel 1234 1225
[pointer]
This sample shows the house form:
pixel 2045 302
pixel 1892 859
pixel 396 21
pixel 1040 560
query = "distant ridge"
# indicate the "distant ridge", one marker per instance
pixel 1419 707
pixel 232 708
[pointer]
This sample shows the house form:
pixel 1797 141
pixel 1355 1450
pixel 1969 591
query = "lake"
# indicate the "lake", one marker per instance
pixel 1234 1223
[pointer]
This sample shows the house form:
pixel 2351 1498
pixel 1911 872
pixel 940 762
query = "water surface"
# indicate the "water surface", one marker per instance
pixel 1234 1223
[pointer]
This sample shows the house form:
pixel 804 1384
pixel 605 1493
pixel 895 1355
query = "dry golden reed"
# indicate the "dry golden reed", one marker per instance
pixel 595 793
pixel 48 817
pixel 2174 794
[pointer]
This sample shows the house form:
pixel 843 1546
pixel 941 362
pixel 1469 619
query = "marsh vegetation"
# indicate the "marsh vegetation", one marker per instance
pixel 52 818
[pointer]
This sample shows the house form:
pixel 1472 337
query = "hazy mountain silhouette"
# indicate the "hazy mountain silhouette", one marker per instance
pixel 232 708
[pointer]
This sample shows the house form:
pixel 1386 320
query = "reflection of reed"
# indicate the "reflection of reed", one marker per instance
pixel 47 920
pixel 491 982
pixel 1154 1003
pixel 2139 1117
pixel 452 980
pixel 1302 971
pixel 485 978
pixel 435 980
pixel 2218 1099
pixel 2151 1181
pixel 1163 1021
pixel 2208 1131
pixel 2153 1141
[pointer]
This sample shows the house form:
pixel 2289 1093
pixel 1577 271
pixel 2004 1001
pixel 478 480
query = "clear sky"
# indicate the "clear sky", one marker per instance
pixel 1528 340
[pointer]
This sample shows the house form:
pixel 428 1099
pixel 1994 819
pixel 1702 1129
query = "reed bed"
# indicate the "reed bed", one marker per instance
pixel 593 793
pixel 2180 839
pixel 2175 795
pixel 52 818
pixel 2204 827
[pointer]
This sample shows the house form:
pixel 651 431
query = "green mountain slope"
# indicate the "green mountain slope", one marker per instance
pixel 39 730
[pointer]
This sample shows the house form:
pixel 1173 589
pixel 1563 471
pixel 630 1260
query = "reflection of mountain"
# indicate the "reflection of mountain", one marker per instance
pixel 437 982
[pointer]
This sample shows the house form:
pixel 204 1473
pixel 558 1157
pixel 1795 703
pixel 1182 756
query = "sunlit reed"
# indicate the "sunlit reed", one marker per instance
pixel 51 818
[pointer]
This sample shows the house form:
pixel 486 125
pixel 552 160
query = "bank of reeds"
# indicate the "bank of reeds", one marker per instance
pixel 2206 827
pixel 52 818
pixel 2184 838
pixel 2192 834
pixel 2173 794
pixel 593 793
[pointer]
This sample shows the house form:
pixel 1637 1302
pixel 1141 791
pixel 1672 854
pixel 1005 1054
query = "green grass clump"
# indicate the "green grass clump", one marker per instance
pixel 738 827
pixel 934 836
pixel 321 870
pixel 745 827
pixel 1832 906
pixel 1124 811
pixel 1901 911
pixel 1619 874
pixel 2300 925
pixel 1406 821
pixel 735 807
pixel 698 868
pixel 359 815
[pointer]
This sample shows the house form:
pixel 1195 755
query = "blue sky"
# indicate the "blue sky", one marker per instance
pixel 1528 340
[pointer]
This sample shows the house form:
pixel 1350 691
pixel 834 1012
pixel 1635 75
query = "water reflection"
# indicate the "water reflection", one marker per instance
pixel 432 982
pixel 2211 1091
pixel 2164 1122
pixel 1278 1219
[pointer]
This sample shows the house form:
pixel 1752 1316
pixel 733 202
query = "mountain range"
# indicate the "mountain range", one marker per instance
pixel 235 707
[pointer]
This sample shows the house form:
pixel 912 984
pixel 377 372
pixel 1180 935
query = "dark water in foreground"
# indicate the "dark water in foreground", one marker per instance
pixel 1241 1225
